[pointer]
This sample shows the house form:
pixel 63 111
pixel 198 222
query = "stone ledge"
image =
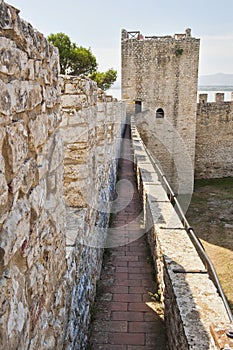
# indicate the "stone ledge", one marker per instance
pixel 191 301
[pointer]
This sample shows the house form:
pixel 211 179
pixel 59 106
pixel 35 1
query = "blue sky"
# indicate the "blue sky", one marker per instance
pixel 98 23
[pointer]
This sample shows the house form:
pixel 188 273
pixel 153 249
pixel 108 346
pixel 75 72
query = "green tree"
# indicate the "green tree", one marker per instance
pixel 64 45
pixel 104 79
pixel 82 61
pixel 77 60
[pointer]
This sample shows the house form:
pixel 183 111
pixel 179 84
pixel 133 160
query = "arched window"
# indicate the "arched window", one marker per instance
pixel 160 113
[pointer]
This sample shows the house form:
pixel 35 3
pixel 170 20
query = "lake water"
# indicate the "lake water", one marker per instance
pixel 211 94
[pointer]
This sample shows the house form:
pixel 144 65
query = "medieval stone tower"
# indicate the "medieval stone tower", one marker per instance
pixel 159 78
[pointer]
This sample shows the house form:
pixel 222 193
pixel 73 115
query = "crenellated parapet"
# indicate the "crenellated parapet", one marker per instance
pixel 160 75
pixel 219 98
pixel 214 134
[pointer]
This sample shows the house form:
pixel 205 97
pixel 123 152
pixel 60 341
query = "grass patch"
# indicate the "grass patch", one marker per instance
pixel 211 215
pixel 226 182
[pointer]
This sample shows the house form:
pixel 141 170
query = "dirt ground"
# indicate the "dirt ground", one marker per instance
pixel 211 215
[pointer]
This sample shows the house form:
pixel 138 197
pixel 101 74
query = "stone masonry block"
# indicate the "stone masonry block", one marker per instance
pixel 38 130
pixel 15 229
pixel 27 96
pixel 55 154
pixel 25 178
pixel 7 98
pixel 75 101
pixel 38 197
pixel 17 145
pixel 3 183
pixel 13 61
pixel 77 134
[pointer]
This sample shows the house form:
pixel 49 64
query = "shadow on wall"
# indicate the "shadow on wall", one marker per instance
pixel 168 148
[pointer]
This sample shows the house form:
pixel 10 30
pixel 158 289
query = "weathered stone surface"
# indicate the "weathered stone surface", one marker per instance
pixel 75 134
pixel 48 267
pixel 50 255
pixel 15 229
pixel 3 184
pixel 191 301
pixel 6 98
pixel 162 73
pixel 89 178
pixel 55 153
pixel 25 178
pixel 214 148
pixel 38 197
pixel 32 211
pixel 10 53
pixel 50 95
pixel 38 130
pixel 17 145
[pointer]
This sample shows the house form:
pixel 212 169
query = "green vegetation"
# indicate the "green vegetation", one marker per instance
pixel 77 60
pixel 225 183
pixel 156 297
pixel 104 79
pixel 179 52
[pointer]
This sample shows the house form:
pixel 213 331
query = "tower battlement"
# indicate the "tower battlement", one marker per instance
pixel 160 74
pixel 219 98
pixel 136 35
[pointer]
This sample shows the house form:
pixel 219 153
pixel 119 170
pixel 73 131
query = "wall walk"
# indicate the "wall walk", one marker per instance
pixel 123 314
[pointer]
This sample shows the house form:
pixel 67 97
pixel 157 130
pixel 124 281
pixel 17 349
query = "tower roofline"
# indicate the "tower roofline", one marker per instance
pixel 137 35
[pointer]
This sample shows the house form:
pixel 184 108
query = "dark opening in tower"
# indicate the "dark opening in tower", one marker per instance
pixel 160 113
pixel 138 106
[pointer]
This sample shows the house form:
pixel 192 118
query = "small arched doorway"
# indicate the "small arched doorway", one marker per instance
pixel 160 113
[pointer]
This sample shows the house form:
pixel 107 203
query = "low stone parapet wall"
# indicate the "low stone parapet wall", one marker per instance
pixel 191 302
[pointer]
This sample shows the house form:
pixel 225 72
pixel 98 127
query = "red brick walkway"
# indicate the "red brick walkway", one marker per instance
pixel 123 317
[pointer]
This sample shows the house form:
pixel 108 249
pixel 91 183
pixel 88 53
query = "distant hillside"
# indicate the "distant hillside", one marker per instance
pixel 216 79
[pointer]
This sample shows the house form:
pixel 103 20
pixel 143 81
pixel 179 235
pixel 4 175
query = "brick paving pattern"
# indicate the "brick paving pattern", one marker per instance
pixel 123 317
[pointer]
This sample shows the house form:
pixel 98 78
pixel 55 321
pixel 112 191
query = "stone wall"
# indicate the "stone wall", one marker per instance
pixel 51 234
pixel 91 130
pixel 162 73
pixel 214 134
pixel 191 302
pixel 32 249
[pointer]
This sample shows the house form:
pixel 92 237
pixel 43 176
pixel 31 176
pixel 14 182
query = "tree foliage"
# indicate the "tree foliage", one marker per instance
pixel 77 60
pixel 73 59
pixel 82 61
pixel 104 79
pixel 64 45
